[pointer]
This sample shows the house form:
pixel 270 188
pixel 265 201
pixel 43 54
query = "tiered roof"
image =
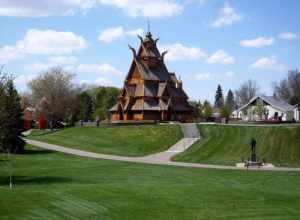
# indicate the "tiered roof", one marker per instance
pixel 159 89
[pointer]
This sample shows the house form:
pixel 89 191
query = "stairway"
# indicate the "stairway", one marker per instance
pixel 190 130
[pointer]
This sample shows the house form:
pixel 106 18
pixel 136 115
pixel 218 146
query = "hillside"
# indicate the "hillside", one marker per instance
pixel 224 144
pixel 130 140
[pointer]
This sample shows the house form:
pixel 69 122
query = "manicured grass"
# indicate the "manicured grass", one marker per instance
pixel 131 140
pixel 224 144
pixel 57 186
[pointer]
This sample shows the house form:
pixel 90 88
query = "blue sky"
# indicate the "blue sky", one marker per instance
pixel 210 42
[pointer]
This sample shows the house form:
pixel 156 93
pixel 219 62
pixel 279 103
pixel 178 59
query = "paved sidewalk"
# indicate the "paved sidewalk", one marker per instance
pixel 163 158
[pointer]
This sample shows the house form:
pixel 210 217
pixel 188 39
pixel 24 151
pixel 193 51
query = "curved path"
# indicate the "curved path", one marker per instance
pixel 191 135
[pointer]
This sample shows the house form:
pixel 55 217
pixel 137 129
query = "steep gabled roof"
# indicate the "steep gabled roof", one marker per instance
pixel 161 88
pixel 154 74
pixel 276 103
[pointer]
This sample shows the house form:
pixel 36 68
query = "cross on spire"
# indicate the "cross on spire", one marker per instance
pixel 148 26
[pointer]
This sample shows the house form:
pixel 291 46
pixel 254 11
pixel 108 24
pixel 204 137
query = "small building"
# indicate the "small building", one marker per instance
pixel 150 91
pixel 265 108
pixel 31 117
pixel 297 112
pixel 28 117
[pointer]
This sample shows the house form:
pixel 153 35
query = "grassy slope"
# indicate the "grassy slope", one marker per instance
pixel 228 144
pixel 57 186
pixel 129 140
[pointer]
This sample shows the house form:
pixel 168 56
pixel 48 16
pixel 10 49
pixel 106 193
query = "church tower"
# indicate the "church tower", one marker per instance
pixel 150 91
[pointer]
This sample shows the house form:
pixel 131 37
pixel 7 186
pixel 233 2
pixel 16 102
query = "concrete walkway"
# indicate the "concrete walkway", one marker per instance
pixel 191 135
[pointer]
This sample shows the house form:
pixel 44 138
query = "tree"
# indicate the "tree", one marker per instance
pixel 104 99
pixel 11 117
pixel 207 110
pixel 219 99
pixel 85 106
pixel 198 108
pixel 289 89
pixel 260 109
pixel 54 95
pixel 230 103
pixel 225 112
pixel 246 92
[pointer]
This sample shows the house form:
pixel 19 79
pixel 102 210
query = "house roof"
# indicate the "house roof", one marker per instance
pixel 276 103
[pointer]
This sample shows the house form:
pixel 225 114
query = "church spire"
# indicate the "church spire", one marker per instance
pixel 148 34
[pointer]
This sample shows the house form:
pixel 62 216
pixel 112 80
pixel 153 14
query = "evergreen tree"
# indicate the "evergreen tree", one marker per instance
pixel 11 118
pixel 230 103
pixel 219 99
pixel 86 107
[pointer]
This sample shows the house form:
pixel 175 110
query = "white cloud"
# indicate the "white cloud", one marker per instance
pixel 103 69
pixel 97 81
pixel 268 63
pixel 114 33
pixel 21 81
pixel 43 8
pixel 62 60
pixel 43 42
pixel 7 53
pixel 135 32
pixel 38 67
pixel 202 76
pixel 230 74
pixel 111 34
pixel 50 42
pixel 288 36
pixel 226 17
pixel 257 42
pixel 221 57
pixel 178 51
pixel 146 8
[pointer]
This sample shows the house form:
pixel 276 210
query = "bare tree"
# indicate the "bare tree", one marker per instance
pixel 54 94
pixel 289 89
pixel 246 92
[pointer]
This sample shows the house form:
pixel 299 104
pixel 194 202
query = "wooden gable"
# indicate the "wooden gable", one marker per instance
pixel 134 76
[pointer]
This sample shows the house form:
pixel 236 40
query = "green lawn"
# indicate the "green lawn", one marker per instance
pixel 223 144
pixel 131 140
pixel 54 186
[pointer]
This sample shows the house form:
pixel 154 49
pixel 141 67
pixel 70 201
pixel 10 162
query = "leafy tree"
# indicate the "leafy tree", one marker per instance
pixel 54 95
pixel 219 99
pixel 225 112
pixel 230 103
pixel 104 99
pixel 11 117
pixel 86 106
pixel 207 110
pixel 198 108
pixel 260 109
pixel 289 89
pixel 246 92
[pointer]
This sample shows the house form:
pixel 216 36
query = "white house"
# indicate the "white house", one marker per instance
pixel 266 108
pixel 297 112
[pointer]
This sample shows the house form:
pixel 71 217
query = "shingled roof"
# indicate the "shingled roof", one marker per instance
pixel 275 102
pixel 149 85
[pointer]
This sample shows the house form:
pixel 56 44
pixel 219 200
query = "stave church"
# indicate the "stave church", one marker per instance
pixel 150 91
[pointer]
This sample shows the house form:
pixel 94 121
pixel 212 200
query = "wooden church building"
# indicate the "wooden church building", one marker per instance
pixel 150 91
